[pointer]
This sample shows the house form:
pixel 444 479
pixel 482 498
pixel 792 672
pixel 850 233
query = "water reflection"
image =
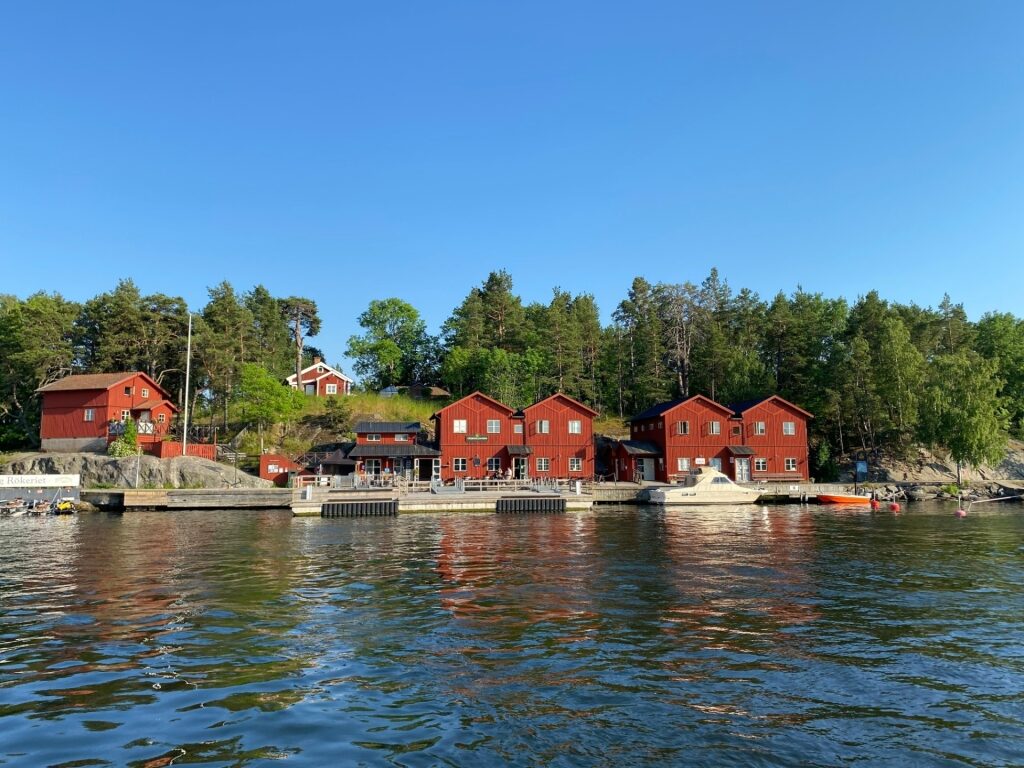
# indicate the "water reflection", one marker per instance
pixel 771 636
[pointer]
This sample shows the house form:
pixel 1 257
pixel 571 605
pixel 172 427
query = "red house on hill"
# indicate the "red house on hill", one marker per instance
pixel 321 380
pixel 763 439
pixel 560 437
pixel 85 412
pixel 477 436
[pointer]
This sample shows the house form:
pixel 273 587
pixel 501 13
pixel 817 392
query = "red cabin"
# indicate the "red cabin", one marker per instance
pixel 560 438
pixel 321 380
pixel 769 439
pixel 477 437
pixel 386 447
pixel 85 412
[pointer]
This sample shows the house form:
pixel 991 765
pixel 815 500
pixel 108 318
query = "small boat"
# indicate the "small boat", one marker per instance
pixel 704 486
pixel 847 499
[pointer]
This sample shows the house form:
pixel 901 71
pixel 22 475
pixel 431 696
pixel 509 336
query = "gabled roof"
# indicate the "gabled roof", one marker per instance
pixel 327 369
pixel 151 404
pixel 661 408
pixel 388 427
pixel 742 407
pixel 100 381
pixel 560 395
pixel 478 393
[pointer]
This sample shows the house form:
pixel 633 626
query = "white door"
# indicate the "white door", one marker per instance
pixel 742 470
pixel 645 469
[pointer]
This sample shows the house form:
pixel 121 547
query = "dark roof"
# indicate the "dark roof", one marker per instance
pixel 746 405
pixel 657 410
pixel 741 450
pixel 85 381
pixel 391 451
pixel 639 448
pixel 337 459
pixel 388 427
pixel 519 450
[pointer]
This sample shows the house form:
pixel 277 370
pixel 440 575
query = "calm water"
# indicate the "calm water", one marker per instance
pixel 775 636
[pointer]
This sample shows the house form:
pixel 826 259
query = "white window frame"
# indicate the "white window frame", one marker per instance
pixel 517 428
pixel 161 418
pixel 494 464
pixel 543 464
pixel 494 426
pixel 125 415
pixel 373 437
pixel 543 427
pixel 575 464
pixel 145 393
pixel 401 437
pixel 372 467
pixel 575 426
pixel 682 464
pixel 128 391
pixel 761 465
pixel 760 428
pixel 791 465
pixel 789 428
pixel 682 427
pixel 460 465
pixel 330 389
pixel 459 426
pixel 714 427
pixel 89 414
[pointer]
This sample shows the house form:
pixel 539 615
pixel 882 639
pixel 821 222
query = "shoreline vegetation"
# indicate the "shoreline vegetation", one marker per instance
pixel 883 379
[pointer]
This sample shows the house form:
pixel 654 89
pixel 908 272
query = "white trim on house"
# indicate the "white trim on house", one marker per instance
pixel 328 370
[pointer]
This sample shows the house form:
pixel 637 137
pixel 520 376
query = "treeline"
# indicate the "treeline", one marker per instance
pixel 878 375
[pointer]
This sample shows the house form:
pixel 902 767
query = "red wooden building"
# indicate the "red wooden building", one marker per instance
pixel 393 447
pixel 85 412
pixel 759 439
pixel 774 432
pixel 321 380
pixel 477 437
pixel 560 438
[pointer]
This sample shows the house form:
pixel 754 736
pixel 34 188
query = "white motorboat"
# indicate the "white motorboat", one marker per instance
pixel 704 486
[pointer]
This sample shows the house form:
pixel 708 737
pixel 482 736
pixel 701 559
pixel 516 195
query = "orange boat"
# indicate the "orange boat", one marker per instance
pixel 844 498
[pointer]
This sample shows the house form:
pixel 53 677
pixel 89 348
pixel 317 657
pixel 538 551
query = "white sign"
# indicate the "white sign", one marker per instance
pixel 39 481
pixel 699 461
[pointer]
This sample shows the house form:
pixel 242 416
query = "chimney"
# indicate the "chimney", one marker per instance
pixel 315 359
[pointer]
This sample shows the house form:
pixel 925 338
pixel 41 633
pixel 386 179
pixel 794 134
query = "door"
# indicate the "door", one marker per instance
pixel 310 389
pixel 435 470
pixel 645 469
pixel 519 468
pixel 716 464
pixel 742 470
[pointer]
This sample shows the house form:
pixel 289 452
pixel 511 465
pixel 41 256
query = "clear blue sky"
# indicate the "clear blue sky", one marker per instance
pixel 351 151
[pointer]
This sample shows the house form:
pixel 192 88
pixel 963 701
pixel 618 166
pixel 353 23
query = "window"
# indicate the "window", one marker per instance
pixel 659 425
pixel 575 464
pixel 493 426
pixel 682 427
pixel 145 392
pixel 517 428
pixel 543 465
pixel 372 466
pixel 125 415
pixel 575 427
pixel 273 469
pixel 128 391
pixel 789 427
pixel 319 369
pixel 459 426
pixel 89 414
pixel 714 427
pixel 759 428
pixel 161 418
pixel 737 430
pixel 459 465
pixel 373 437
pixel 401 437
pixel 331 389
pixel 543 427
pixel 682 464
pixel 791 465
pixel 494 464
pixel 760 465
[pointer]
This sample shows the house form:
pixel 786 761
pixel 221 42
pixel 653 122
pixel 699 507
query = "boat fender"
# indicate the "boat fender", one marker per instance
pixel 961 512
pixel 875 504
pixel 894 507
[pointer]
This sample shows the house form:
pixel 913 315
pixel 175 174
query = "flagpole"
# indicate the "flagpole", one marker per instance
pixel 188 367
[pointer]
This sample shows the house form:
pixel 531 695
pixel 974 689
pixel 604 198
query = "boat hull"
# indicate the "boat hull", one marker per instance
pixel 672 498
pixel 847 499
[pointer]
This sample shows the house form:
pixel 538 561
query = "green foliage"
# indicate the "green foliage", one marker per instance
pixel 395 348
pixel 264 399
pixel 127 444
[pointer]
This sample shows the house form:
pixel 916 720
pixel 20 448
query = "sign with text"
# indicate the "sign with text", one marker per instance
pixel 39 481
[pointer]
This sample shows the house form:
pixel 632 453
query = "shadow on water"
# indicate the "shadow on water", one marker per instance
pixel 751 636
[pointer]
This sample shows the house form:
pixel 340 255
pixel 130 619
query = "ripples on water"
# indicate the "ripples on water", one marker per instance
pixel 775 636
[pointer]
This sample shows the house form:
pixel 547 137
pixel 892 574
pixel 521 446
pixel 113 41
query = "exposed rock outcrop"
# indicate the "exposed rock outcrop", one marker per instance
pixel 100 471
